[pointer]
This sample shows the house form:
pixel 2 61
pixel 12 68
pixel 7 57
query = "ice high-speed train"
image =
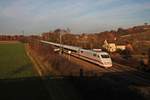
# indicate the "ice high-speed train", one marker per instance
pixel 100 58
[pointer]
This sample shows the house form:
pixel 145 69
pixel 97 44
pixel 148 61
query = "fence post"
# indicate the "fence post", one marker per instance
pixel 149 57
pixel 81 73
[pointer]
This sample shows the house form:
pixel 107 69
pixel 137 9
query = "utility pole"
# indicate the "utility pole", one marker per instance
pixel 60 41
pixel 23 32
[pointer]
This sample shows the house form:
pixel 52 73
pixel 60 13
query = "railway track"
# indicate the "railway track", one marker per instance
pixel 101 69
pixel 91 66
pixel 143 76
pixel 130 74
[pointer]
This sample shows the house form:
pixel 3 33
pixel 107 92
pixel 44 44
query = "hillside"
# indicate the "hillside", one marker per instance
pixel 140 41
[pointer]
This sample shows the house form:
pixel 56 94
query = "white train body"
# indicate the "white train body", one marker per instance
pixel 100 58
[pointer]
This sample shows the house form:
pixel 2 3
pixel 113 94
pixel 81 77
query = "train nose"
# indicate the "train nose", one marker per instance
pixel 107 64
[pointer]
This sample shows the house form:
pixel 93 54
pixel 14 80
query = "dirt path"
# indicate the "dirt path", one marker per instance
pixel 43 68
pixel 37 65
pixel 8 42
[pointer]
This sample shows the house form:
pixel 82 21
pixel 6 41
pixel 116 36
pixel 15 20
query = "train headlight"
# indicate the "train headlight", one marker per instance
pixel 107 63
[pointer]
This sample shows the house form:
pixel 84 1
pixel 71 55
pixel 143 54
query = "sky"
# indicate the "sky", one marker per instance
pixel 88 16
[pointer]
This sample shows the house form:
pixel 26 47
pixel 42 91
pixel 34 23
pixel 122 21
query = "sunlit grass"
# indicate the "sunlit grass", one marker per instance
pixel 14 62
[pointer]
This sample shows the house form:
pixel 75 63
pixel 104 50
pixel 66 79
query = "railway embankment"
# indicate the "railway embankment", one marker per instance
pixel 55 86
pixel 55 64
pixel 115 84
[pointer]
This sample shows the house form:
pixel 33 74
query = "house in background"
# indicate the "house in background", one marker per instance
pixel 112 47
pixel 121 47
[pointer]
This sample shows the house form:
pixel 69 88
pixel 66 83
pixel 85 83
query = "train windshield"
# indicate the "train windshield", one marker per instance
pixel 105 56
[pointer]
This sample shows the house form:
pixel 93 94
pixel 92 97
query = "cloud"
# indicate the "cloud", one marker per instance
pixel 79 15
pixel 120 16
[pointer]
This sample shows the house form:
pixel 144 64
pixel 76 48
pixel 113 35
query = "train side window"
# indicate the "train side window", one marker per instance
pixel 105 56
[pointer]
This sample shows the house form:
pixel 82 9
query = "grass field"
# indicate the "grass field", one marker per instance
pixel 14 62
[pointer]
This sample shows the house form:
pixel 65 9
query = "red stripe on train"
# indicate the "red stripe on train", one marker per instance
pixel 91 59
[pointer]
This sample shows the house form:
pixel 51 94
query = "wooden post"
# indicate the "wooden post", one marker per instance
pixel 149 57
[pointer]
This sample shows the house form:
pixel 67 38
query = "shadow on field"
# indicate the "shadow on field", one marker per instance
pixel 21 69
pixel 108 86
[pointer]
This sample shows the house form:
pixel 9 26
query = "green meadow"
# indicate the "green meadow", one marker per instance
pixel 14 63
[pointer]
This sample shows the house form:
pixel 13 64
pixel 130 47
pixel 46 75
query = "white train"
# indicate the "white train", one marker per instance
pixel 100 58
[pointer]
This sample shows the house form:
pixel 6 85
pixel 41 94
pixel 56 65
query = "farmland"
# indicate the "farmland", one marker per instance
pixel 14 62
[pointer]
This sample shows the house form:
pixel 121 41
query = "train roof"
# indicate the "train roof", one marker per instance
pixel 92 51
pixel 73 47
pixel 64 46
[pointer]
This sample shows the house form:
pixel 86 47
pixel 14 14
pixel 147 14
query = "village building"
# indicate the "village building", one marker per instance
pixel 112 47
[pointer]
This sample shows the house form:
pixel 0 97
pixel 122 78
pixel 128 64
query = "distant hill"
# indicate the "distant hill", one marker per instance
pixel 133 30
pixel 137 36
pixel 140 41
